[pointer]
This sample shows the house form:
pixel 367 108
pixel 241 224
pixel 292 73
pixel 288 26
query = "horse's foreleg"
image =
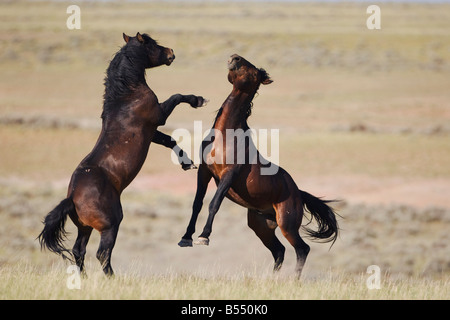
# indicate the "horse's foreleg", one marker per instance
pixel 170 104
pixel 222 189
pixel 203 178
pixel 168 142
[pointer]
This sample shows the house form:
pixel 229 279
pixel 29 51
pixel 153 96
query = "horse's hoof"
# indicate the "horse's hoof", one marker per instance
pixel 201 102
pixel 189 166
pixel 202 241
pixel 185 243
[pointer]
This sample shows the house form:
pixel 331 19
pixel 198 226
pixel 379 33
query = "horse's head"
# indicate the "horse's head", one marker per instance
pixel 155 55
pixel 244 75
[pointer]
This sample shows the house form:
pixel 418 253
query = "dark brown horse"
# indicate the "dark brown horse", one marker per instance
pixel 131 115
pixel 272 199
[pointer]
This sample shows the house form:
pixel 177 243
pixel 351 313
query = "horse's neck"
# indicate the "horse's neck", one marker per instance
pixel 125 78
pixel 232 114
pixel 124 73
pixel 132 72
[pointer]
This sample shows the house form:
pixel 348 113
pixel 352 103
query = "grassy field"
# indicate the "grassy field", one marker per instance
pixel 26 282
pixel 364 116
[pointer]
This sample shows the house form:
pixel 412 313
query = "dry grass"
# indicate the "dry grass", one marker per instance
pixel 26 282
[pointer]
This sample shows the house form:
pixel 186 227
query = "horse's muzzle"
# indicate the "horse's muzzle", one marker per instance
pixel 170 57
pixel 233 62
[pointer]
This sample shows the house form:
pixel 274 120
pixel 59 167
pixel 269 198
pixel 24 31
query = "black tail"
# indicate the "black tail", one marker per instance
pixel 325 216
pixel 53 235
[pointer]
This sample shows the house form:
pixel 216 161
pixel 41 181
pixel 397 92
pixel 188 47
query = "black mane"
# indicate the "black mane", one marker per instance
pixel 248 110
pixel 125 73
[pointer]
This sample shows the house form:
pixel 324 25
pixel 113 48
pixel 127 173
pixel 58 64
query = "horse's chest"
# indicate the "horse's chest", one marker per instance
pixel 214 158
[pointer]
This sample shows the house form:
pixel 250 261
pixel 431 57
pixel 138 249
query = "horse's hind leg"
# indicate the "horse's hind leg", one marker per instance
pixel 108 233
pixel 265 230
pixel 289 219
pixel 107 242
pixel 301 249
pixel 79 249
pixel 98 206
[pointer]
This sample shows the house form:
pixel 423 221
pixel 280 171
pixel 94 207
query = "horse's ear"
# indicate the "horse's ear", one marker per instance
pixel 139 37
pixel 126 38
pixel 265 78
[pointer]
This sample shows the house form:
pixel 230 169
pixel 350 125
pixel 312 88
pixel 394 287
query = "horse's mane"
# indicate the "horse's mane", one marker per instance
pixel 248 110
pixel 125 72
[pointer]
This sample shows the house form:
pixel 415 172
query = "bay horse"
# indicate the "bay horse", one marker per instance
pixel 130 118
pixel 271 199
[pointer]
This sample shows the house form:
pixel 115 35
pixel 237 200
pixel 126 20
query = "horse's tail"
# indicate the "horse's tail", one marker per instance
pixel 53 235
pixel 324 215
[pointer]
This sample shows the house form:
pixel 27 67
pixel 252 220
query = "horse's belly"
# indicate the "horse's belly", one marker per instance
pixel 249 201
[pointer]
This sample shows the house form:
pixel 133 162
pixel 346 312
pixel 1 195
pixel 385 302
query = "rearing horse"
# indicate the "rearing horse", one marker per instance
pixel 272 199
pixel 131 115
